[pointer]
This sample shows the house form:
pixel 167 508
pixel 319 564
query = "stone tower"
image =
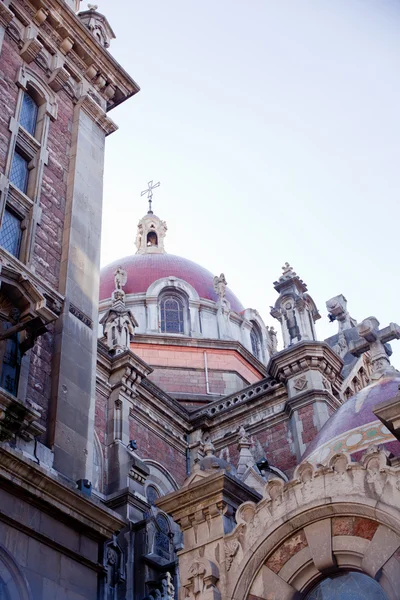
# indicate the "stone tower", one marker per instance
pixel 58 84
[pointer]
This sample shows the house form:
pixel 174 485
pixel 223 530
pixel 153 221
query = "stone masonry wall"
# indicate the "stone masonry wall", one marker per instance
pixel 35 540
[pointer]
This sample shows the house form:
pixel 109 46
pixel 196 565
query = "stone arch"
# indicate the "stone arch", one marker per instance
pixel 291 539
pixel 29 80
pixel 160 478
pixel 12 578
pixel 155 289
pixel 185 291
pixel 319 552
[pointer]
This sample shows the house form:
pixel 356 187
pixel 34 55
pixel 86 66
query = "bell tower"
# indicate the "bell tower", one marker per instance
pixel 151 230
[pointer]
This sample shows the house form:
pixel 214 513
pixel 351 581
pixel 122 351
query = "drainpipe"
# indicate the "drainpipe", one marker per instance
pixel 187 455
pixel 206 373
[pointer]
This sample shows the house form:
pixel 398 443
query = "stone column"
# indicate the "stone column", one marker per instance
pixel 73 394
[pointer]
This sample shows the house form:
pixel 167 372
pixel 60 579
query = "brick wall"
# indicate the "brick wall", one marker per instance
pixel 160 355
pixel 151 445
pixel 193 381
pixel 10 63
pixel 306 415
pixel 46 258
pixel 49 233
pixel 275 443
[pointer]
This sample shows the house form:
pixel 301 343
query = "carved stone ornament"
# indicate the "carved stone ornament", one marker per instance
pixel 98 25
pixel 201 581
pixel 375 341
pixel 220 286
pixel 118 322
pixel 231 549
pixel 342 480
pixel 300 383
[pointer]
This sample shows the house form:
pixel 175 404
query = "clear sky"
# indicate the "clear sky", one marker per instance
pixel 273 126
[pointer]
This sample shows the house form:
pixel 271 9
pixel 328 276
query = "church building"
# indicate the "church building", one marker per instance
pixel 158 439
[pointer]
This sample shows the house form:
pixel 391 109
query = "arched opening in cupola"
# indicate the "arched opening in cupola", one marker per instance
pixel 152 239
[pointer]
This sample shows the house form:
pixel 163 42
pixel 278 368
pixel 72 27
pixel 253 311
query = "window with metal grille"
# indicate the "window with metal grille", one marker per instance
pixel 11 232
pixel 29 113
pixel 171 312
pixel 255 342
pixel 19 172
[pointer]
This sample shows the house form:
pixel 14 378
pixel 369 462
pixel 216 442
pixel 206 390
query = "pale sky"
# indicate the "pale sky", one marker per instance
pixel 273 127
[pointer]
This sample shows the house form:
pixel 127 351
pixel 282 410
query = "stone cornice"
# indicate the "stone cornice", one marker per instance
pixel 57 496
pixel 18 418
pixel 309 396
pixel 53 300
pixel 304 356
pixel 60 28
pixel 256 390
pixel 6 16
pixel 208 491
pixel 97 114
pixel 111 364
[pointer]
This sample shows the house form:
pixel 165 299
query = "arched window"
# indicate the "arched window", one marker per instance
pixel 172 314
pixel 347 586
pixel 255 338
pixel 152 495
pixel 162 538
pixel 29 113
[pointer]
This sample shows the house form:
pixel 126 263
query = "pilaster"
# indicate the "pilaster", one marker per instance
pixel 205 510
pixel 72 427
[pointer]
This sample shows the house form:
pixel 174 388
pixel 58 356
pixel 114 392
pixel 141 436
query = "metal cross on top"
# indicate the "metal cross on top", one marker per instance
pixel 372 340
pixel 149 193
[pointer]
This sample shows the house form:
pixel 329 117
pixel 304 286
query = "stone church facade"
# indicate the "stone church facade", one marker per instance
pixel 156 442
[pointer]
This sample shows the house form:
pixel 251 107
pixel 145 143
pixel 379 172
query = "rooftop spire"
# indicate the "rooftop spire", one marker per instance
pixel 149 193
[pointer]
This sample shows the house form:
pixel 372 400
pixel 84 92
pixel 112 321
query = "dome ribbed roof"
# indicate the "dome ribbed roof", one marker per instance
pixel 353 427
pixel 144 269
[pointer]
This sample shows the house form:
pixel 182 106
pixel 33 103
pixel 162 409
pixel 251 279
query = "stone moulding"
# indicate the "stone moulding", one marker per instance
pixel 61 28
pixel 17 417
pixel 6 15
pixel 367 490
pixel 44 487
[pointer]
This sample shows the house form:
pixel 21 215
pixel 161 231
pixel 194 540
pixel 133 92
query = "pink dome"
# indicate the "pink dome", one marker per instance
pixel 354 426
pixel 145 269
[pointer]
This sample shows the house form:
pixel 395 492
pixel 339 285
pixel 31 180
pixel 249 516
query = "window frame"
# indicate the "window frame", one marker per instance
pixel 255 332
pixel 26 204
pixel 180 298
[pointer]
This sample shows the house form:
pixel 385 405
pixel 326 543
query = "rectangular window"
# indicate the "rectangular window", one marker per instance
pixel 29 113
pixel 11 232
pixel 19 172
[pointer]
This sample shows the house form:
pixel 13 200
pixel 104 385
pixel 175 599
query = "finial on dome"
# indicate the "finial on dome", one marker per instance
pixel 149 193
